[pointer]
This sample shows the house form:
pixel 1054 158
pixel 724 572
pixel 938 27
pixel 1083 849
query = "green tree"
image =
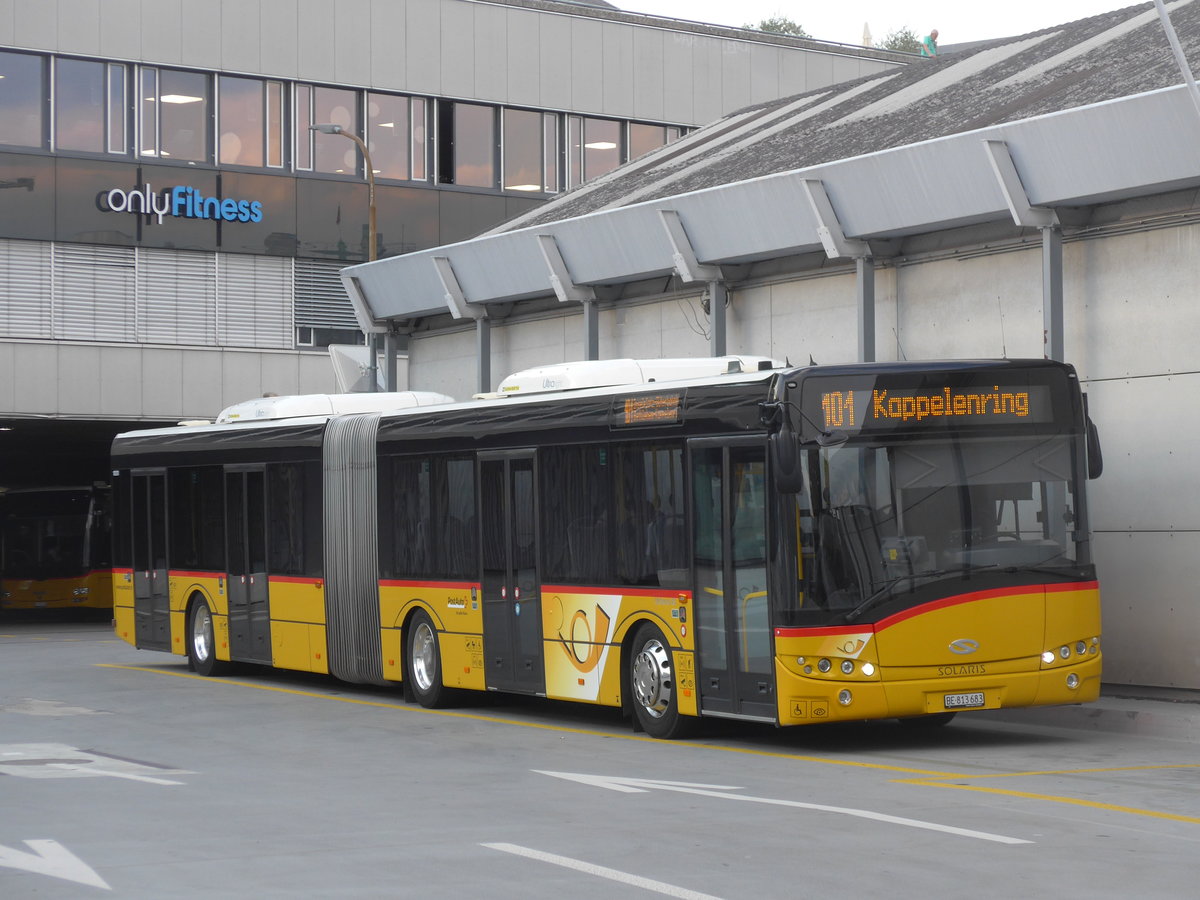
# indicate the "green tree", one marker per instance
pixel 904 39
pixel 780 24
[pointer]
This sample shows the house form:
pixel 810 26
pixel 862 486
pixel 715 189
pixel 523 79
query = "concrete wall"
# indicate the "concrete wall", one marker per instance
pixel 599 61
pixel 1131 321
pixel 143 381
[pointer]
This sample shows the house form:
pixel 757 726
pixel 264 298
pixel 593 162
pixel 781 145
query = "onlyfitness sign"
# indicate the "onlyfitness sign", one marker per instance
pixel 180 201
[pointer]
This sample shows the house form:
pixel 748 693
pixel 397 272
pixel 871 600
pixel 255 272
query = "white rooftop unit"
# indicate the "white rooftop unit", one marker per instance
pixel 327 405
pixel 573 376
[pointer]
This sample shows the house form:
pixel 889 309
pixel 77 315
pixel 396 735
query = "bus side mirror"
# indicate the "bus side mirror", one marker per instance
pixel 787 461
pixel 1095 457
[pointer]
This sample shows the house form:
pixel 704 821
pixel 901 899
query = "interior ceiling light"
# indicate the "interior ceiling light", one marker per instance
pixel 522 187
pixel 387 124
pixel 601 145
pixel 179 98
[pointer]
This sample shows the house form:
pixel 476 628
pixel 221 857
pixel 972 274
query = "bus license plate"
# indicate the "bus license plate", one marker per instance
pixel 959 701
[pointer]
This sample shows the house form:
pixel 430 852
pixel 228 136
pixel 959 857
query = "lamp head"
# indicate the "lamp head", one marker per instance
pixel 326 128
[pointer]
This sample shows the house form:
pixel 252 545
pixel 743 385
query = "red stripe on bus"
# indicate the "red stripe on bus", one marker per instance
pixel 933 605
pixel 183 573
pixel 448 585
pixel 295 579
pixel 628 590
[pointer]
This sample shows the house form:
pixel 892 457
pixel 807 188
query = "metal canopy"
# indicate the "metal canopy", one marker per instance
pixel 1127 147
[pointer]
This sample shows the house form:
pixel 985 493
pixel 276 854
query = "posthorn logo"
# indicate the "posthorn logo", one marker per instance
pixel 964 645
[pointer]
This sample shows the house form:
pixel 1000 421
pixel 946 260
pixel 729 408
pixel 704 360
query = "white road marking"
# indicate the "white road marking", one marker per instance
pixel 638 785
pixel 53 859
pixel 126 775
pixel 587 868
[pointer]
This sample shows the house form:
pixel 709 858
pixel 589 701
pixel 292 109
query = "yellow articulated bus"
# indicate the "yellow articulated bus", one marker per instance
pixel 679 538
pixel 55 548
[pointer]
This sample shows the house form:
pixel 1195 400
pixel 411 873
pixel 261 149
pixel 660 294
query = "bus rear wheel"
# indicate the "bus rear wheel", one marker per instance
pixel 423 660
pixel 201 641
pixel 653 686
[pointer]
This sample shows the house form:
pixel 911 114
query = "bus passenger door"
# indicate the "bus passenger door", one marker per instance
pixel 151 594
pixel 512 614
pixel 735 672
pixel 246 566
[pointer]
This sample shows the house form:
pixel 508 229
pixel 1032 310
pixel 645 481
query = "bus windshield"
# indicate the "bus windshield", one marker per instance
pixel 885 520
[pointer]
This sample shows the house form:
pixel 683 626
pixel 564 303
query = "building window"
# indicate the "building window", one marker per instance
pixel 22 106
pixel 173 120
pixel 530 150
pixel 79 106
pixel 250 122
pixel 593 148
pixel 332 153
pixel 645 138
pixel 302 135
pixel 117 110
pixel 396 136
pixel 467 145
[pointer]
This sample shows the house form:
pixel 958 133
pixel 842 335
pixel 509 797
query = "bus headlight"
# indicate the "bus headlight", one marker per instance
pixel 845 697
pixel 868 669
pixel 1048 657
pixel 80 592
pixel 1064 651
pixel 1072 681
pixel 847 667
pixel 824 665
pixel 1080 648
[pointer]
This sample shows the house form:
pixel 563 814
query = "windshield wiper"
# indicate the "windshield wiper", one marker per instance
pixel 884 591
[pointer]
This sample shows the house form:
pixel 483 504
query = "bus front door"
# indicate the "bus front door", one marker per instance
pixel 246 565
pixel 151 594
pixel 512 614
pixel 735 674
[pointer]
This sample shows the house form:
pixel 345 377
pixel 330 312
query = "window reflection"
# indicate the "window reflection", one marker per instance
pixel 332 153
pixel 21 93
pixel 593 148
pixel 522 150
pixel 241 121
pixel 303 136
pixel 474 143
pixel 79 105
pixel 387 134
pixel 174 115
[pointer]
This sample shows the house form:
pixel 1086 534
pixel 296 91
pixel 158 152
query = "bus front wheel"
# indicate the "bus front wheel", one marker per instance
pixel 653 685
pixel 201 641
pixel 424 662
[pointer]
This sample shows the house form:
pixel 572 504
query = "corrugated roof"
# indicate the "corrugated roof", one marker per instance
pixel 1089 61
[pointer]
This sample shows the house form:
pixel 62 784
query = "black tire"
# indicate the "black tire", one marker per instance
pixel 934 720
pixel 201 641
pixel 653 688
pixel 423 662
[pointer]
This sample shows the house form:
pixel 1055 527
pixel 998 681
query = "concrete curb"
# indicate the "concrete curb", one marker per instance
pixel 1173 715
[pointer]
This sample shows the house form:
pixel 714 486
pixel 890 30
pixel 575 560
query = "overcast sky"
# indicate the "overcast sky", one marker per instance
pixel 843 20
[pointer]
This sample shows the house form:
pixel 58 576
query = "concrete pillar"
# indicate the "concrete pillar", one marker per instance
pixel 1052 292
pixel 483 348
pixel 865 269
pixel 718 299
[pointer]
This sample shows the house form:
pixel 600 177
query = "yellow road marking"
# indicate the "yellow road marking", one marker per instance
pixel 929 779
pixel 1053 798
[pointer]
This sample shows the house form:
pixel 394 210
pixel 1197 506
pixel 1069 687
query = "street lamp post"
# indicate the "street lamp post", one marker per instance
pixel 325 128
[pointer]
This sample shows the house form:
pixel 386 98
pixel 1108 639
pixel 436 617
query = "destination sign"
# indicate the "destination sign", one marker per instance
pixel 648 409
pixel 856 404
